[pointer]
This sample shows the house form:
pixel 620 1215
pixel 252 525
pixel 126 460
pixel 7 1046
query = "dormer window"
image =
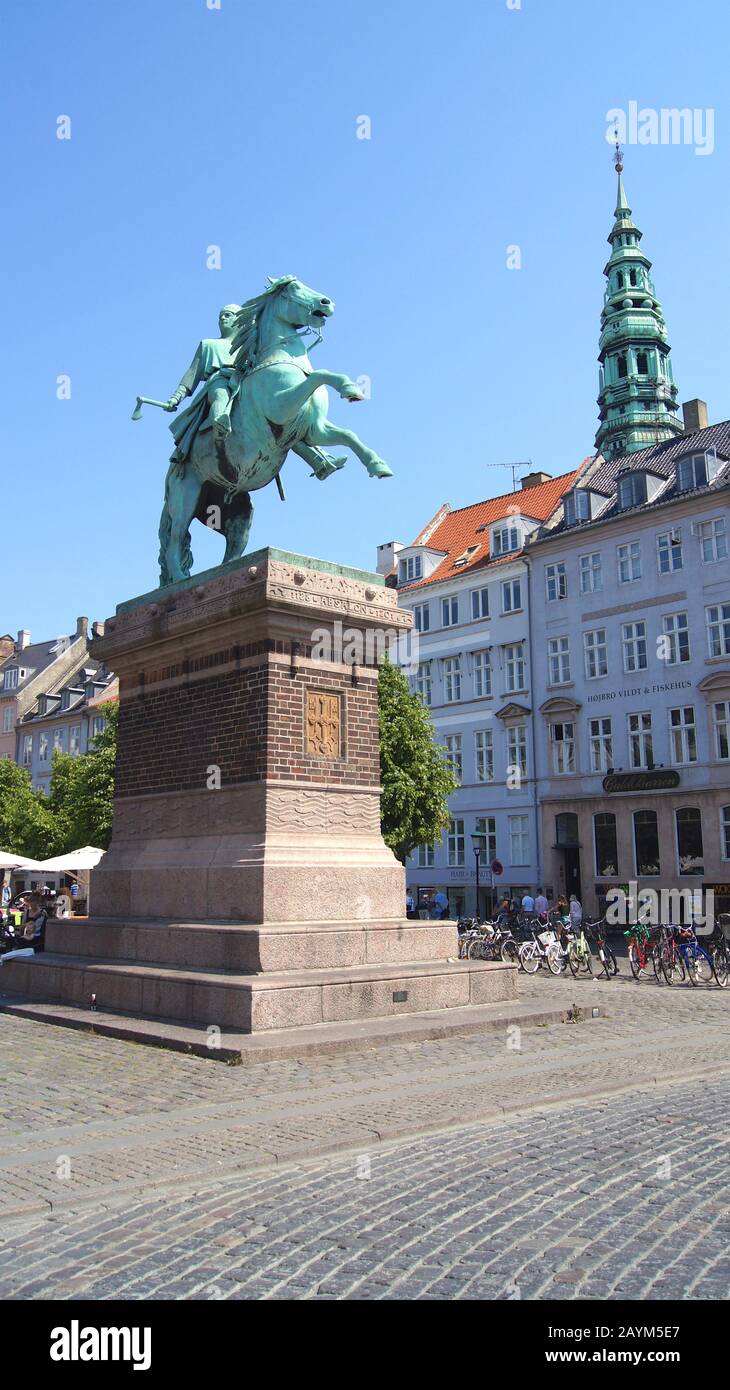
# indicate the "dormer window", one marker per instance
pixel 632 490
pixel 411 569
pixel 696 470
pixel 577 507
pixel 10 679
pixel 506 538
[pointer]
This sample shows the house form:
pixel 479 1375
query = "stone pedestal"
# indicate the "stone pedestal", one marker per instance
pixel 247 884
pixel 248 768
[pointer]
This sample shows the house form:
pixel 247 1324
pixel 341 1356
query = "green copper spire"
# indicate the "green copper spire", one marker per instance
pixel 637 395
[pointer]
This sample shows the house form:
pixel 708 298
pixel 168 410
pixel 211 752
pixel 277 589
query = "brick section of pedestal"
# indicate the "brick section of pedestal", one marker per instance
pixel 249 722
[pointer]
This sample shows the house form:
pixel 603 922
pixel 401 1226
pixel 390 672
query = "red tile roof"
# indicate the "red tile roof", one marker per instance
pixel 453 532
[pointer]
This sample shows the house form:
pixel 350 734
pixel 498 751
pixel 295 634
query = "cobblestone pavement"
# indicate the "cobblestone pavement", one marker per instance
pixel 127 1170
pixel 615 1199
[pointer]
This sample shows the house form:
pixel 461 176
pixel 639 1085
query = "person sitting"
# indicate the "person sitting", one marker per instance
pixel 32 935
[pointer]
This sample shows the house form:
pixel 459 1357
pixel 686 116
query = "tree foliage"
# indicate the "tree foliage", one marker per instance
pixel 82 789
pixel 27 825
pixel 417 779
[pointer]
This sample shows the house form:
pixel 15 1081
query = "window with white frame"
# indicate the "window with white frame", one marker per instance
pixel 556 583
pixel 511 595
pixel 27 750
pixel 514 666
pixel 669 551
pixel 43 747
pixel 7 719
pixel 452 745
pixel 423 681
pixel 411 569
pixel 695 471
pixel 455 844
pixel 449 611
pixel 576 507
pixel 74 739
pixel 595 649
pixel 591 573
pixel 721 727
pixel 633 636
pixel 482 670
pixel 713 540
pixel 601 744
pixel 10 678
pixel 629 562
pixel 519 839
pixel 718 629
pixel 683 734
pixel 676 632
pixel 632 490
pixel 58 740
pixel 98 725
pixel 486 828
pixel 562 740
pixel 480 603
pixel 641 744
pixel 426 856
pixel 484 755
pixel 559 660
pixel 517 749
pixel 725 831
pixel 421 617
pixel 452 679
pixel 505 538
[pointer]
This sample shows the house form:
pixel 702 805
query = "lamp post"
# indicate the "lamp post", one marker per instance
pixel 476 841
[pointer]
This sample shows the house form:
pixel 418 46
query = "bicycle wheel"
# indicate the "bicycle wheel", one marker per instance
pixel 673 967
pixel 699 966
pixel 510 953
pixel 611 962
pixel 721 967
pixel 529 959
pixel 578 960
pixel 555 959
pixel 635 961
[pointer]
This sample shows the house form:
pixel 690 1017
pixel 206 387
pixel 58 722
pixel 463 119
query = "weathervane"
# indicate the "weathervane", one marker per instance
pixel 618 158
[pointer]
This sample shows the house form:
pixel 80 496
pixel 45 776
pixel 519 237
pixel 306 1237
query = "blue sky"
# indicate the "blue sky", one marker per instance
pixel 236 127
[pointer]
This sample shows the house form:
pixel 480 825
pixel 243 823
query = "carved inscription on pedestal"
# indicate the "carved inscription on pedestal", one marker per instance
pixel 323 725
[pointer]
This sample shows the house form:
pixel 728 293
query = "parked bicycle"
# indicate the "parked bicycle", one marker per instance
pixel 596 931
pixel 697 960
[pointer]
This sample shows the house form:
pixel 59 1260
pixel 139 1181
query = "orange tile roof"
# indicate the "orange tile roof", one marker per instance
pixel 458 530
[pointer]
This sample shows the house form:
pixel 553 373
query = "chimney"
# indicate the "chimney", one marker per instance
pixel 23 639
pixel 97 629
pixel 534 479
pixel 82 627
pixel 387 556
pixel 694 414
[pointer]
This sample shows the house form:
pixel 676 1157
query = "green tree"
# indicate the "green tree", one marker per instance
pixel 417 779
pixel 82 789
pixel 27 824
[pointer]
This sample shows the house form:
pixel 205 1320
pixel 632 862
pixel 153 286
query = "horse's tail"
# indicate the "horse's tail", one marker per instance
pixel 164 531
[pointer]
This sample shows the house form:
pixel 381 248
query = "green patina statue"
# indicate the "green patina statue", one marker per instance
pixel 259 398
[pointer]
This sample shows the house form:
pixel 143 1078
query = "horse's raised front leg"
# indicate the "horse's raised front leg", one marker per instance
pixel 325 433
pixel 286 402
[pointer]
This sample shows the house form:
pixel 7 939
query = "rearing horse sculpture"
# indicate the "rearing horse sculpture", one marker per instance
pixel 279 402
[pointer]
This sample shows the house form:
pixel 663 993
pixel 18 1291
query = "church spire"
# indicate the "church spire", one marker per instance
pixel 637 395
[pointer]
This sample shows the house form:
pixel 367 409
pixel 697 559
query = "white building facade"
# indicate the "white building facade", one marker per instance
pixel 630 620
pixel 465 581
